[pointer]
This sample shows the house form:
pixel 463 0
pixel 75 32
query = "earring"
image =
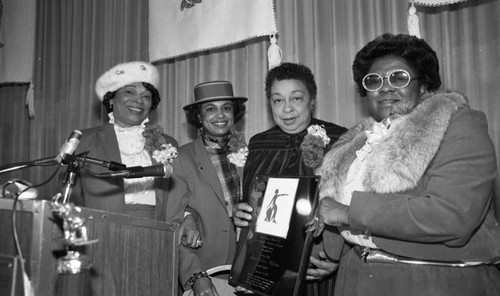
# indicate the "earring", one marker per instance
pixel 422 91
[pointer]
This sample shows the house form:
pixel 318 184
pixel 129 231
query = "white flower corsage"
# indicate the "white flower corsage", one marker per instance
pixel 157 146
pixel 238 148
pixel 166 154
pixel 239 158
pixel 318 131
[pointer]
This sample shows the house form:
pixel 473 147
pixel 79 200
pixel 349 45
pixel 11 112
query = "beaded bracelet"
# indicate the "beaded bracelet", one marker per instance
pixel 195 277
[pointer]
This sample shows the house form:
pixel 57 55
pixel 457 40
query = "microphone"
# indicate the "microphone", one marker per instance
pixel 158 170
pixel 110 165
pixel 69 147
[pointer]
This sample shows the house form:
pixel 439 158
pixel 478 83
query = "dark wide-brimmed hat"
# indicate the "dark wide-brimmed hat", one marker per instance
pixel 213 91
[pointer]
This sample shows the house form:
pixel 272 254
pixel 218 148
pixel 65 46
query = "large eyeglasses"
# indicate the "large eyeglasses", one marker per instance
pixel 397 79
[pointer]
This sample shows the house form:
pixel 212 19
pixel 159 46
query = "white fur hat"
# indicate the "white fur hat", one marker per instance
pixel 124 74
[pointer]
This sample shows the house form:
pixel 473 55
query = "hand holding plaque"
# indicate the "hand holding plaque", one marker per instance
pixel 273 253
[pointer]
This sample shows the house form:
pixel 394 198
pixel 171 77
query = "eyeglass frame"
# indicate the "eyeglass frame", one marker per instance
pixel 388 81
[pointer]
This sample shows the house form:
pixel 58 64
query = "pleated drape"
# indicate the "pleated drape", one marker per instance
pixel 78 40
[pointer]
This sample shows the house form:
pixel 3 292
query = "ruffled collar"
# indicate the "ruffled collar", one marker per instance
pixel 130 139
pixel 135 128
pixel 378 131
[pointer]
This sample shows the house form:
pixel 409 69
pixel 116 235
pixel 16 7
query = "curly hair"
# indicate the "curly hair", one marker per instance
pixel 419 55
pixel 193 111
pixel 154 93
pixel 291 71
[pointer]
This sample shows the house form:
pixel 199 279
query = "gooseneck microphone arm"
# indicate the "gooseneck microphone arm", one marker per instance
pixel 48 161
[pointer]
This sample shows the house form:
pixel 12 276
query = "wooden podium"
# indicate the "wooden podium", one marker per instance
pixel 134 256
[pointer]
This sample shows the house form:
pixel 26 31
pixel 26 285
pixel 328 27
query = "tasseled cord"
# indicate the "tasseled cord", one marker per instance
pixel 30 101
pixel 273 53
pixel 413 26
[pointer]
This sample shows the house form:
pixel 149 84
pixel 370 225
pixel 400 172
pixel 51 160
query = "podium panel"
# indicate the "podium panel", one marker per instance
pixel 134 256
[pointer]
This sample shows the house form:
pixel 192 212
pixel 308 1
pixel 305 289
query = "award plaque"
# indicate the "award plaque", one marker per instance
pixel 273 252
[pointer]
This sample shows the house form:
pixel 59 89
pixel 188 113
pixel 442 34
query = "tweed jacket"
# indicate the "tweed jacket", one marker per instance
pixel 428 184
pixel 194 183
pixel 108 193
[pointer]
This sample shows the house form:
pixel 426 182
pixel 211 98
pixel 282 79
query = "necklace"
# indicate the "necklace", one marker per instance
pixel 222 141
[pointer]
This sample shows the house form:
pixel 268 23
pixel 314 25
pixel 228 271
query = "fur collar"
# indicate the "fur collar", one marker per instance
pixel 400 160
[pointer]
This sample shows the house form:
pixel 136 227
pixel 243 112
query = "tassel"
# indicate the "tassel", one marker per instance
pixel 413 25
pixel 27 285
pixel 274 53
pixel 30 100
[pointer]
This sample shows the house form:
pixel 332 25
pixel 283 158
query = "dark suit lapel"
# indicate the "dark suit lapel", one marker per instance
pixel 207 170
pixel 109 143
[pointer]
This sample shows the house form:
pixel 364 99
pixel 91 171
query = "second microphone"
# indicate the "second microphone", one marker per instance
pixel 159 170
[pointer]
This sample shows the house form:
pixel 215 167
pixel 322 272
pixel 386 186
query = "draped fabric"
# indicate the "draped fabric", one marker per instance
pixel 17 39
pixel 178 28
pixel 435 2
pixel 78 40
pixel 17 45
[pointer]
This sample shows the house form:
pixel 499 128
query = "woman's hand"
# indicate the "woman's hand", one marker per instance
pixel 321 267
pixel 242 290
pixel 190 234
pixel 204 287
pixel 332 212
pixel 168 169
pixel 242 214
pixel 329 212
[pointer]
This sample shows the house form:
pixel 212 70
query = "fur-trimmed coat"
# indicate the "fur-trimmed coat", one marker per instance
pixel 428 184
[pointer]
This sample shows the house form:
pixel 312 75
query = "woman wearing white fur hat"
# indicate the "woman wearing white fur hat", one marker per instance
pixel 129 93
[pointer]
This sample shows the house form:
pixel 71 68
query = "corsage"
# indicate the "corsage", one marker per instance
pixel 238 148
pixel 313 145
pixel 156 144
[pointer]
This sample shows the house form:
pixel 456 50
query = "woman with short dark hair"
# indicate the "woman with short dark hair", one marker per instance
pixel 291 91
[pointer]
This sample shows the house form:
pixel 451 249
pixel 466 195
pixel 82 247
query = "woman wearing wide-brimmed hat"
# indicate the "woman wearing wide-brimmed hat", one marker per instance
pixel 206 178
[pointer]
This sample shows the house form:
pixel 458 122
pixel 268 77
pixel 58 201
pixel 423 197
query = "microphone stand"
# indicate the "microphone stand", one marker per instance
pixel 69 179
pixel 74 268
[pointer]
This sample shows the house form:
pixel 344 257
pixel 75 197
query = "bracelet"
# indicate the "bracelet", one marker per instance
pixel 195 277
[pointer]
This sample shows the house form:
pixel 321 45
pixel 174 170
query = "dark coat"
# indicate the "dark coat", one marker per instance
pixel 108 193
pixel 194 183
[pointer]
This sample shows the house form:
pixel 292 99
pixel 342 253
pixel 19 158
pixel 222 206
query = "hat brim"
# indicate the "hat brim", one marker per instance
pixel 243 99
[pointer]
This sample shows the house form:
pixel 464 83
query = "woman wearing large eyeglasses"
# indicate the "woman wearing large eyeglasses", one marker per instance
pixel 410 188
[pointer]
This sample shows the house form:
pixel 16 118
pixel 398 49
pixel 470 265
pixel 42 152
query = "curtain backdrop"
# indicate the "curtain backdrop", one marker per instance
pixel 78 40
